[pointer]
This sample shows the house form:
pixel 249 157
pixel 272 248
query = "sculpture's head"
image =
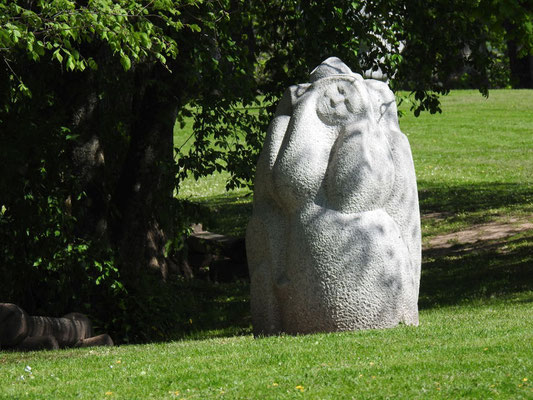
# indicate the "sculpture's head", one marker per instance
pixel 343 93
pixel 329 67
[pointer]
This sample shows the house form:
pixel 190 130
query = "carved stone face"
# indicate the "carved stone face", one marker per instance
pixel 340 102
pixel 333 152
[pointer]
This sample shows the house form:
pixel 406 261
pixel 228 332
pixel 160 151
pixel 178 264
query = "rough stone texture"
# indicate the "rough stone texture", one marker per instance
pixel 334 241
pixel 33 343
pixel 67 330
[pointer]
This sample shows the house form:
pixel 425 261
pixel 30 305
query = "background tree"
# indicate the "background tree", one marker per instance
pixel 513 22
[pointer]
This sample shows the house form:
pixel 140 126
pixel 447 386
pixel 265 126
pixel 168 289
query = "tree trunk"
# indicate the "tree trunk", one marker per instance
pixel 143 196
pixel 521 67
pixel 129 210
pixel 88 159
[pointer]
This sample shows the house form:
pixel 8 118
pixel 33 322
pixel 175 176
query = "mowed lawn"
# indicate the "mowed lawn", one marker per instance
pixel 474 166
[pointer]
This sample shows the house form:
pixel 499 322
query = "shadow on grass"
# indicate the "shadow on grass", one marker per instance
pixel 227 214
pixel 480 272
pixel 483 270
pixel 474 197
pixel 218 310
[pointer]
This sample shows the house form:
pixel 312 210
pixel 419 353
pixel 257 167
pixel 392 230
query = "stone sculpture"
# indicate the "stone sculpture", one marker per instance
pixel 334 241
pixel 20 331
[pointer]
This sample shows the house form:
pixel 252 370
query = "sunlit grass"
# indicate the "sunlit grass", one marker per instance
pixel 476 351
pixel 475 140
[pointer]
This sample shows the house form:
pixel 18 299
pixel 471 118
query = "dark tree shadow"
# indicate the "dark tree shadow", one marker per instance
pixel 217 310
pixel 227 214
pixel 474 197
pixel 486 269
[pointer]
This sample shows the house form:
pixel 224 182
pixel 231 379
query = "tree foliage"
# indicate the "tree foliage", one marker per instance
pixel 90 91
pixel 87 111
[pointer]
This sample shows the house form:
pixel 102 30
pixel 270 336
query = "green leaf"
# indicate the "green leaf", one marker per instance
pixel 71 65
pixel 57 55
pixel 39 48
pixel 195 28
pixel 24 89
pixel 92 64
pixel 145 40
pixel 125 61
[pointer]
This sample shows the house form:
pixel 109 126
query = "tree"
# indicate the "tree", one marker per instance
pixel 516 18
pixel 90 91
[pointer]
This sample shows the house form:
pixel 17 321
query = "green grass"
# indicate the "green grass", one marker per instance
pixel 474 165
pixel 474 161
pixel 477 351
pixel 474 140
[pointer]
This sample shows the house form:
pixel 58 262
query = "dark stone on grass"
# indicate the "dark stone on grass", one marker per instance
pixel 32 343
pixel 67 330
pixel 198 260
pixel 216 257
pixel 14 324
pixel 20 331
pixel 236 250
pixel 100 340
pixel 227 270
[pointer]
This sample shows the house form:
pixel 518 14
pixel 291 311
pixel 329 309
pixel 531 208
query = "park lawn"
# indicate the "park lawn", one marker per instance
pixel 474 166
pixel 474 162
pixel 477 350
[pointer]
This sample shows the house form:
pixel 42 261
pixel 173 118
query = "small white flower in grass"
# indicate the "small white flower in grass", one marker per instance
pixel 28 369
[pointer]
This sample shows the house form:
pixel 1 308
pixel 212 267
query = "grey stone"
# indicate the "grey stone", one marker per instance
pixel 205 242
pixel 100 340
pixel 216 257
pixel 334 240
pixel 14 324
pixel 67 330
pixel 33 343
pixel 20 331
